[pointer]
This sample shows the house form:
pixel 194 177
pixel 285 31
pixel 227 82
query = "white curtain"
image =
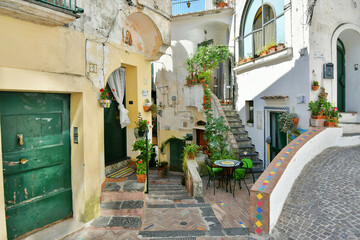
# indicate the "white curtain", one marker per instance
pixel 117 82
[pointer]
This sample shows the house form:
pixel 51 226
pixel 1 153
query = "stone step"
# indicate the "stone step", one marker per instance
pixel 229 111
pixel 178 205
pixel 349 117
pixel 128 186
pixel 248 148
pixel 122 208
pixel 233 117
pixel 169 192
pixel 180 197
pixel 117 223
pixel 240 134
pixel 245 141
pixel 350 127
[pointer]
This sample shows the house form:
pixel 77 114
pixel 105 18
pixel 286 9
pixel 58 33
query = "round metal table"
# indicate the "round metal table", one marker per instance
pixel 229 165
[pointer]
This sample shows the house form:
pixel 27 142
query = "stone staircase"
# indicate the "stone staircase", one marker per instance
pixel 350 122
pixel 122 205
pixel 247 149
pixel 170 212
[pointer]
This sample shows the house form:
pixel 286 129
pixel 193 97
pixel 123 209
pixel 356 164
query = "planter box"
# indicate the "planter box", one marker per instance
pixel 162 172
pixel 317 122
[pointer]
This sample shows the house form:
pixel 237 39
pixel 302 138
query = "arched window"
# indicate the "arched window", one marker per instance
pixel 262 24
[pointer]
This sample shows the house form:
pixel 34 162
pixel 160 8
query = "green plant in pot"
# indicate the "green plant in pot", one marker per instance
pixel 287 124
pixel 191 151
pixel 141 127
pixel 142 158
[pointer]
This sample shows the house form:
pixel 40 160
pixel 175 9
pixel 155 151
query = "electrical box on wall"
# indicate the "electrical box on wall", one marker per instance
pixel 328 71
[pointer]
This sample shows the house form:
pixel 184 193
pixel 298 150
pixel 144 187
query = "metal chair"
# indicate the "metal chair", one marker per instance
pixel 214 173
pixel 240 173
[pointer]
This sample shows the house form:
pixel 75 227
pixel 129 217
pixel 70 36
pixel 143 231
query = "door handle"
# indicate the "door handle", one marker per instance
pixel 23 161
pixel 20 139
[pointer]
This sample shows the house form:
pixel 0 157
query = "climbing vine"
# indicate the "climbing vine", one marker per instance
pixel 201 66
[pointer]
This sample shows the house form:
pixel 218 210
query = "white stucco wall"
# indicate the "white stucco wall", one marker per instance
pixel 293 77
pixel 286 77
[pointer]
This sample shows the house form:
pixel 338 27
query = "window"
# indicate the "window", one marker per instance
pixel 262 24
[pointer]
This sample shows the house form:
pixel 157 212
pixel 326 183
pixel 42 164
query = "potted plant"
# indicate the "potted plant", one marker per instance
pixel 280 46
pixel 105 98
pixel 219 3
pixel 271 47
pixel 162 169
pixel 154 109
pixel 141 127
pixel 287 124
pixel 323 94
pixel 332 115
pixel 315 85
pixel 142 158
pixel 147 105
pixel 295 118
pixel 191 151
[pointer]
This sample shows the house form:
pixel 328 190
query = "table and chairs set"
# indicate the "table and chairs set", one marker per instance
pixel 229 169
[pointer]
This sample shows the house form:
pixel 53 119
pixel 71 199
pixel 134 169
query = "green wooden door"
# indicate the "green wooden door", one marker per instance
pixel 340 76
pixel 176 154
pixel 37 192
pixel 115 136
pixel 278 138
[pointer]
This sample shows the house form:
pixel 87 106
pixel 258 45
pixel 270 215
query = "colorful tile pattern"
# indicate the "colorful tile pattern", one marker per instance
pixel 273 172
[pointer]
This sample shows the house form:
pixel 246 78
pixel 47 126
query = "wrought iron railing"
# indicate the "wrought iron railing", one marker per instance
pixel 69 5
pixel 180 7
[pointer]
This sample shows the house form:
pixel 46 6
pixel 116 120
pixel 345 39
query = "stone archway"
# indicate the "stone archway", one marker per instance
pixel 349 35
pixel 154 46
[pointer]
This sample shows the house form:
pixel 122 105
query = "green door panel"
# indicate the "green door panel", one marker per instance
pixel 38 192
pixel 176 154
pixel 278 138
pixel 341 76
pixel 115 136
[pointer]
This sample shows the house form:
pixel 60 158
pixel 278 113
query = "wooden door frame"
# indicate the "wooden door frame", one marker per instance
pixel 343 51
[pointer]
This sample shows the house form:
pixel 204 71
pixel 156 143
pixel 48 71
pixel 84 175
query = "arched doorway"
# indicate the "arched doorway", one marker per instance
pixel 341 76
pixel 114 134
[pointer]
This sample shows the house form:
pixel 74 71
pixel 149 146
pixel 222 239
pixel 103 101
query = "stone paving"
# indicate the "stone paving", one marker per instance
pixel 324 202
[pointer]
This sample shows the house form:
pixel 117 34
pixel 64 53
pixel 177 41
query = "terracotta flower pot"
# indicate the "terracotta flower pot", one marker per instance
pixel 191 156
pixel 295 121
pixel 263 54
pixel 147 108
pixel 330 124
pixel 141 178
pixel 272 49
pixel 221 5
pixel 280 47
pixel 315 88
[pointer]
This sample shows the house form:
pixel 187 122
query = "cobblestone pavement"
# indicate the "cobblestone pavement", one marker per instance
pixel 324 202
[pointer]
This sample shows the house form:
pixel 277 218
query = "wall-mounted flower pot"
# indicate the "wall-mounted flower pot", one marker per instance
pixel 105 103
pixel 315 88
pixel 147 108
pixel 139 133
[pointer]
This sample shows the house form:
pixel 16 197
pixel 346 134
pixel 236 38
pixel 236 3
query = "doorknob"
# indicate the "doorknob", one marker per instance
pixel 20 139
pixel 23 161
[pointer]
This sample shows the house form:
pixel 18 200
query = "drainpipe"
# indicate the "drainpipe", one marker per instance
pixel 234 58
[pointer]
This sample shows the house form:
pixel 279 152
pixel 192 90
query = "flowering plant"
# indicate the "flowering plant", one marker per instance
pixel 142 124
pixel 140 145
pixel 104 94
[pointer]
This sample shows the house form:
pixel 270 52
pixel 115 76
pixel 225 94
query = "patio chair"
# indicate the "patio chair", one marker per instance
pixel 214 173
pixel 248 164
pixel 238 175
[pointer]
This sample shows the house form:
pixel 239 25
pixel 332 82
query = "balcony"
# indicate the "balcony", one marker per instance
pixel 180 7
pixel 46 12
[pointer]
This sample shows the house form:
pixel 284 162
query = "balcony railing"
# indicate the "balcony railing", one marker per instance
pixel 180 7
pixel 69 5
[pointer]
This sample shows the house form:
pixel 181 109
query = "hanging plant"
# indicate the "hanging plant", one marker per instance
pixel 105 98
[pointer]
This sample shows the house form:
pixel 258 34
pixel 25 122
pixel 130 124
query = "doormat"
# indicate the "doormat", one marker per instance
pixel 124 172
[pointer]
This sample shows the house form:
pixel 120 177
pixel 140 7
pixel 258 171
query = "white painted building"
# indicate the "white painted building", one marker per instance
pixel 282 81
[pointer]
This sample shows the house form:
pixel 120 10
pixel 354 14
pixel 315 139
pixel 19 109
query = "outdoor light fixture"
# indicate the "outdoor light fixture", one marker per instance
pixel 188 4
